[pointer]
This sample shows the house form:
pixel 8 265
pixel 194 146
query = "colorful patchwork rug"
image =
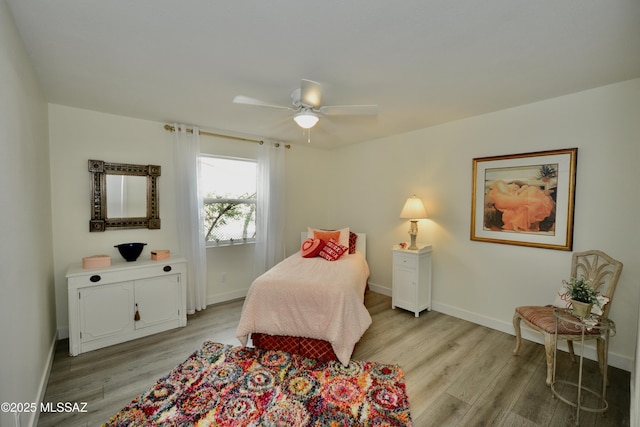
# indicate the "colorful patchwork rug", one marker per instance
pixel 222 385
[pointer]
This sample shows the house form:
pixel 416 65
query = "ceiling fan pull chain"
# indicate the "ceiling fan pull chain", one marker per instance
pixel 309 136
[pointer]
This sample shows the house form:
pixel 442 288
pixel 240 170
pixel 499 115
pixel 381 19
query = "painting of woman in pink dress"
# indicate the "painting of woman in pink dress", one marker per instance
pixel 525 199
pixel 524 203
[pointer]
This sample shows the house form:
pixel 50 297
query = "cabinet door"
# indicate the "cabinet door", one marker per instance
pixel 158 300
pixel 404 288
pixel 105 311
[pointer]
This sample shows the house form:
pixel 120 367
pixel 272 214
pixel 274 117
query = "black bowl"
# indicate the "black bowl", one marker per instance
pixel 130 251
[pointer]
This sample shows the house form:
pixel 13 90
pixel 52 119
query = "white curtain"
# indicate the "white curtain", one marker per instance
pixel 270 219
pixel 189 215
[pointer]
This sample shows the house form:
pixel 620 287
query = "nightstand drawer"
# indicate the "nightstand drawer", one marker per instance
pixel 406 261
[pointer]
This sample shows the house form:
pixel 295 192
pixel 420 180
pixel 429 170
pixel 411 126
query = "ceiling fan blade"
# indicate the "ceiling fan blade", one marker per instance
pixel 349 110
pixel 240 99
pixel 310 93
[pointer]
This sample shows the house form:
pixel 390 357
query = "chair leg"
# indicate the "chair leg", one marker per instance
pixel 549 349
pixel 572 354
pixel 516 326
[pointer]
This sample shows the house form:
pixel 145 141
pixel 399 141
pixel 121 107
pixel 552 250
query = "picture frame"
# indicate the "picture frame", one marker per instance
pixel 525 199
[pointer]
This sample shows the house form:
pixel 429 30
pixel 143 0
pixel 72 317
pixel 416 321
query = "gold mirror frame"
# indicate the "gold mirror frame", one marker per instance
pixel 99 216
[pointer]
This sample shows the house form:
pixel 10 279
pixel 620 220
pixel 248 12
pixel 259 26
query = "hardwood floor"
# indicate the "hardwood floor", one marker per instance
pixel 457 373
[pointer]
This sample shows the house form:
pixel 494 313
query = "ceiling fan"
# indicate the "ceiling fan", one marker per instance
pixel 307 105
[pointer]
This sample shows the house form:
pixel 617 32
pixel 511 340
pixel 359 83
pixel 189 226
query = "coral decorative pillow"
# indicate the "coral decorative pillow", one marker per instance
pixel 332 250
pixel 311 247
pixel 341 236
pixel 326 235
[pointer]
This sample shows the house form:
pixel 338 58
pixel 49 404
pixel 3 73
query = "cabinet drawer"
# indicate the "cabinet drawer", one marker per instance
pixel 406 261
pixel 115 275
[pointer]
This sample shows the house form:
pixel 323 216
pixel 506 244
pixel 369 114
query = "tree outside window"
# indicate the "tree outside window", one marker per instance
pixel 228 187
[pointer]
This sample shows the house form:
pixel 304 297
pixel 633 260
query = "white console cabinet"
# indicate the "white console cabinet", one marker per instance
pixel 411 287
pixel 125 301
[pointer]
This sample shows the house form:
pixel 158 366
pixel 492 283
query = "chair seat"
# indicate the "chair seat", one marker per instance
pixel 543 318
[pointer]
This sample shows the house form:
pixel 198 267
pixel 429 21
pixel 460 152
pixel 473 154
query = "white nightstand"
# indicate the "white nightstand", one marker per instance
pixel 412 278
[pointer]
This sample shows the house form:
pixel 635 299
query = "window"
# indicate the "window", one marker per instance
pixel 228 187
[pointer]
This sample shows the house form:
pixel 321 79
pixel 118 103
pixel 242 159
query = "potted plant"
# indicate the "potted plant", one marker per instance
pixel 582 295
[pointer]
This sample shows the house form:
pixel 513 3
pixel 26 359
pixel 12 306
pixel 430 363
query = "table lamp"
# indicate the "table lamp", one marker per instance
pixel 413 210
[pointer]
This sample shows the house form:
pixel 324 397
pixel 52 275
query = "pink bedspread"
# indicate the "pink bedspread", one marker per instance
pixel 312 298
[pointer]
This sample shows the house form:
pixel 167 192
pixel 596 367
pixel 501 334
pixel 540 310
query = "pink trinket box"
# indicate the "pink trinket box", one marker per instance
pixel 160 254
pixel 96 261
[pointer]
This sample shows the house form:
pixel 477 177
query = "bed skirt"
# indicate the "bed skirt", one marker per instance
pixel 308 347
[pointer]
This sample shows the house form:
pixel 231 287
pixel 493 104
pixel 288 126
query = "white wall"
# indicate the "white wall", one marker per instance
pixel 483 282
pixel 27 307
pixel 76 136
pixel 308 195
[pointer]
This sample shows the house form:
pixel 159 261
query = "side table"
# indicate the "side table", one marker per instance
pixel 584 327
pixel 411 278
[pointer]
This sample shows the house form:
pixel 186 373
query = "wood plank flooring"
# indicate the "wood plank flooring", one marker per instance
pixel 457 373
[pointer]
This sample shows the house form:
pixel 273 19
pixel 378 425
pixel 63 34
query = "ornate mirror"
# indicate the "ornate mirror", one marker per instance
pixel 123 196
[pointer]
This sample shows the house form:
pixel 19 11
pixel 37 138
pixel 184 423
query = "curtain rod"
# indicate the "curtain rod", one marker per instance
pixel 202 132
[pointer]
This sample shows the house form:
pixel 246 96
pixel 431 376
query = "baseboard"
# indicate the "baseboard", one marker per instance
pixel 380 289
pixel 44 380
pixel 227 296
pixel 614 359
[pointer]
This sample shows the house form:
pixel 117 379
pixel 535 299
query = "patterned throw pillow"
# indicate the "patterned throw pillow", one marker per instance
pixel 353 239
pixel 311 247
pixel 333 250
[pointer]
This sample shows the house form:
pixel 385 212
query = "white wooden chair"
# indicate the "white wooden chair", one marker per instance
pixel 603 272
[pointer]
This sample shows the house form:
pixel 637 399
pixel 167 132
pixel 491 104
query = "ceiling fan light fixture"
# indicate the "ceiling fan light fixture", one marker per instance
pixel 306 119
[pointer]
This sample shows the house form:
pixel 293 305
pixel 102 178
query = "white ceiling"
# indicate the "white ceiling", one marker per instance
pixel 424 62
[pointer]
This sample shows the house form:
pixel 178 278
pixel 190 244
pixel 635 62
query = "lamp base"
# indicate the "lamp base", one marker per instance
pixel 413 246
pixel 413 232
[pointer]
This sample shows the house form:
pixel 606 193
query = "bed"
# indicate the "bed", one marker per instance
pixel 309 306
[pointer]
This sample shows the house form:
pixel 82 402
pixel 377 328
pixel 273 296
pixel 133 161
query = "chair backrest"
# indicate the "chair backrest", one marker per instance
pixel 602 270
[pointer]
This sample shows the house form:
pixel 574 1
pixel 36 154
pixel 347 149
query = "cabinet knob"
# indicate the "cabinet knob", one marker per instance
pixel 167 268
pixel 95 278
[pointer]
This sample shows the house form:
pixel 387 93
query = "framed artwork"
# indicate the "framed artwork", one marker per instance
pixel 525 199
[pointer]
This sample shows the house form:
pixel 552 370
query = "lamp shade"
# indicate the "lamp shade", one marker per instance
pixel 413 209
pixel 306 119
